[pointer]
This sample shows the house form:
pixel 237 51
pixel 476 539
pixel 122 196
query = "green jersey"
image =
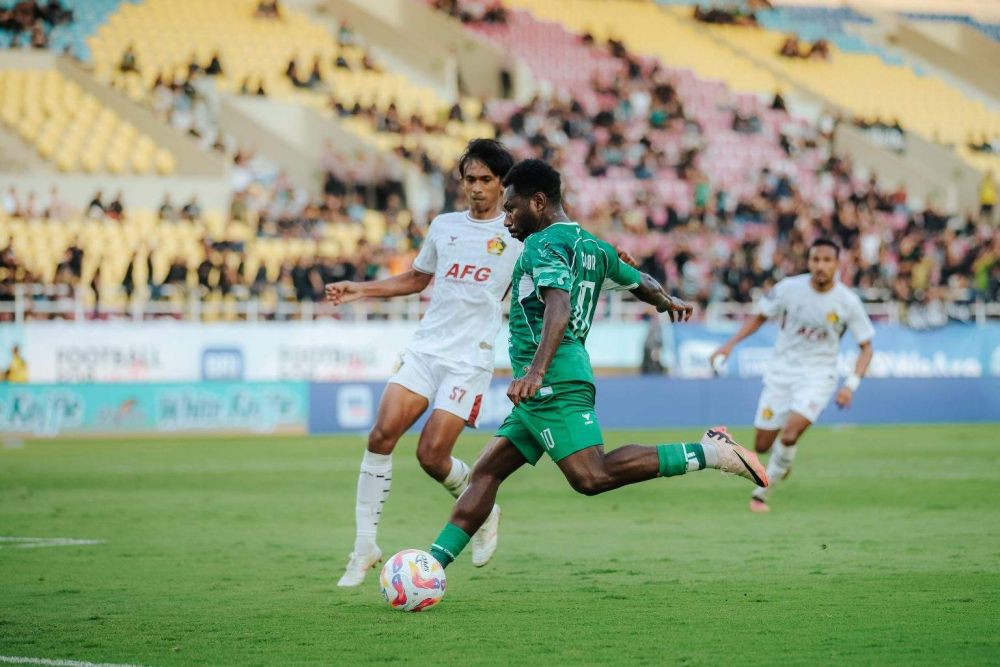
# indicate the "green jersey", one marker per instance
pixel 566 257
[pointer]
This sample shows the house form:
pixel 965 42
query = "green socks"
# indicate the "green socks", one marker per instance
pixel 677 459
pixel 449 544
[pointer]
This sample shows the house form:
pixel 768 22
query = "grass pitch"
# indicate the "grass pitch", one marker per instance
pixel 882 548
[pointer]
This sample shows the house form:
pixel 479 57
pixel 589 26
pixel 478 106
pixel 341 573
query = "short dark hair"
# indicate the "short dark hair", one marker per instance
pixel 491 153
pixel 829 243
pixel 530 176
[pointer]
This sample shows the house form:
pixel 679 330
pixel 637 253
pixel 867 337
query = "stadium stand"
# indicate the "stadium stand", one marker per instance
pixel 64 24
pixel 991 30
pixel 715 190
pixel 684 255
pixel 285 58
pixel 72 129
pixel 925 105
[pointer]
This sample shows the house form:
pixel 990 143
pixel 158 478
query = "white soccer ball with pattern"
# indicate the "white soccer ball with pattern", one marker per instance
pixel 412 580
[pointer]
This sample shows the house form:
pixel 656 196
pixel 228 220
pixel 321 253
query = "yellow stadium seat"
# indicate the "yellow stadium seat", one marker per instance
pixel 64 124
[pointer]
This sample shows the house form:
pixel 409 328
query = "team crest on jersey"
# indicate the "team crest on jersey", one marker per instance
pixel 832 317
pixel 767 413
pixel 496 246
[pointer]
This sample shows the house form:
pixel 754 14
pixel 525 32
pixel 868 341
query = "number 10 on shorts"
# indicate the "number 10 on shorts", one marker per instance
pixel 547 439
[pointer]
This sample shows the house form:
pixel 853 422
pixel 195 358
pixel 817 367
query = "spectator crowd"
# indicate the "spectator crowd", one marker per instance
pixel 29 22
pixel 717 241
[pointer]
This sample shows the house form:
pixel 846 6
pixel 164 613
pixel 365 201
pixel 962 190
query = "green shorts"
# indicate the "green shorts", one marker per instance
pixel 559 423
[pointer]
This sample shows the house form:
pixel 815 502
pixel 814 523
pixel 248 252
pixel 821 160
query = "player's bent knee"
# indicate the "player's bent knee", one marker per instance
pixel 381 441
pixel 588 485
pixel 791 436
pixel 433 461
pixel 764 440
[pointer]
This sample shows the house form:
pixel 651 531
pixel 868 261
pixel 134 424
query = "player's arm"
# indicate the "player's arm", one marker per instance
pixel 861 330
pixel 554 323
pixel 846 391
pixel 768 306
pixel 346 291
pixel 415 280
pixel 651 291
pixel 748 329
pixel 623 275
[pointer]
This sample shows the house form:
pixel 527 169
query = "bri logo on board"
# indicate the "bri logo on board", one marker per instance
pixel 462 272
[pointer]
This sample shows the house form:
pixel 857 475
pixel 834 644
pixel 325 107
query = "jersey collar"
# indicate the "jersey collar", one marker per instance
pixel 469 218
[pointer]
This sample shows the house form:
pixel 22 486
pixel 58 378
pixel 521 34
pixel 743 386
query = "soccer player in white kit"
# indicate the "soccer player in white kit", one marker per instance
pixel 814 310
pixel 449 364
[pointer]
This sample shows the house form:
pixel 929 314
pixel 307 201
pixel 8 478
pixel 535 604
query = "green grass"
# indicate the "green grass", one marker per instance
pixel 882 548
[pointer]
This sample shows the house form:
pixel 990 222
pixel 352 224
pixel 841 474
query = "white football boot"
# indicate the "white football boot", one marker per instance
pixel 358 566
pixel 734 459
pixel 484 542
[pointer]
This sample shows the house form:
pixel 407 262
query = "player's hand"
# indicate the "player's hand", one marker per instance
pixel 717 358
pixel 343 292
pixel 525 388
pixel 626 256
pixel 844 396
pixel 678 309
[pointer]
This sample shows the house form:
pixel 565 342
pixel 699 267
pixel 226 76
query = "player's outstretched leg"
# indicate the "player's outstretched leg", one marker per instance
pixel 780 464
pixel 590 471
pixel 397 411
pixel 497 462
pixel 434 451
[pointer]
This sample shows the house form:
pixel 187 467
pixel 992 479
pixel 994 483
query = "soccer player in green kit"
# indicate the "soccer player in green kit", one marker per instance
pixel 557 280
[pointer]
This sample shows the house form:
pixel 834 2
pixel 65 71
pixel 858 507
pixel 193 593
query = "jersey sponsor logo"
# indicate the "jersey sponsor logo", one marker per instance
pixel 812 334
pixel 496 246
pixel 832 317
pixel 480 274
pixel 453 239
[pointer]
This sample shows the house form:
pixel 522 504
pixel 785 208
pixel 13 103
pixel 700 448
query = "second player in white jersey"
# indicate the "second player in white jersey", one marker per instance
pixel 811 325
pixel 448 365
pixel 802 374
pixel 450 360
pixel 813 311
pixel 472 262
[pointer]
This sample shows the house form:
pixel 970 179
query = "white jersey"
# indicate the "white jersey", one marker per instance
pixel 472 262
pixel 812 324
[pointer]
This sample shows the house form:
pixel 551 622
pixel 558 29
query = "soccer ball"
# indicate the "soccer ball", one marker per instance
pixel 412 580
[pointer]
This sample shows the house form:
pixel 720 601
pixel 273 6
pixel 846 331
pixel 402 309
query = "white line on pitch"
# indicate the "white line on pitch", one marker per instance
pixel 35 542
pixel 17 660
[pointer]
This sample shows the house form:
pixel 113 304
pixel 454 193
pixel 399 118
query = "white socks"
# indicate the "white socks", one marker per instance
pixel 458 479
pixel 373 490
pixel 777 467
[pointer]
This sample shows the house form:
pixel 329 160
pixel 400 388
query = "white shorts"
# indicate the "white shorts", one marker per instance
pixel 804 394
pixel 450 386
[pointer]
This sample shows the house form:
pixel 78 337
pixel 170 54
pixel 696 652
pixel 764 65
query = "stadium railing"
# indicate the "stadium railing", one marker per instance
pixel 613 307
